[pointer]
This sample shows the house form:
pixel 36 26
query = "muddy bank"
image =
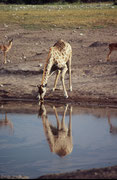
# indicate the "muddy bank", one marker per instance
pixel 33 107
pixel 102 173
pixel 14 177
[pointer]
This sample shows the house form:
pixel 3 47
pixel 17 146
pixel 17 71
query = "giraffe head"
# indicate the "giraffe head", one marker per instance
pixel 41 92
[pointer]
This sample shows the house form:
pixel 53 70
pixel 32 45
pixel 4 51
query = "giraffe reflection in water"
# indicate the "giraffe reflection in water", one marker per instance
pixel 6 123
pixel 59 138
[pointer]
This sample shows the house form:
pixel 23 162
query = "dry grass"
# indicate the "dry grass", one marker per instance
pixel 59 16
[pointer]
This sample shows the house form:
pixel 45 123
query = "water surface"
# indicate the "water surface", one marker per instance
pixel 32 145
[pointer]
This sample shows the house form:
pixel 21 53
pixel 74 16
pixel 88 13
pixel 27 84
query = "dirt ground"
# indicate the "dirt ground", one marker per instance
pixel 94 79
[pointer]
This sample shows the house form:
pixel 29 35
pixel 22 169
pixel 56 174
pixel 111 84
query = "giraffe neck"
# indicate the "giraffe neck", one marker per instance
pixel 47 69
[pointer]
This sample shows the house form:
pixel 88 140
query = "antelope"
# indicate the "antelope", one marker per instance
pixel 5 48
pixel 112 47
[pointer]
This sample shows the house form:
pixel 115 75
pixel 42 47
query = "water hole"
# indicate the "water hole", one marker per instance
pixel 56 139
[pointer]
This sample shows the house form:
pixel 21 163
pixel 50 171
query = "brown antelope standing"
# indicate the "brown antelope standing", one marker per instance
pixel 59 138
pixel 112 47
pixel 59 60
pixel 5 48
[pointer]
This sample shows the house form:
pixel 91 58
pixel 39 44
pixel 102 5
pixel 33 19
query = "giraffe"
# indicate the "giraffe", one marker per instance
pixel 6 48
pixel 59 138
pixel 59 61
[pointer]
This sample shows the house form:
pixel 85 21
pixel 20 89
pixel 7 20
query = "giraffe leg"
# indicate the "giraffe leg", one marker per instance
pixel 56 79
pixel 63 81
pixel 69 65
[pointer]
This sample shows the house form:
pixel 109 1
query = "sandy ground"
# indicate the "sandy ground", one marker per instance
pixel 94 79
